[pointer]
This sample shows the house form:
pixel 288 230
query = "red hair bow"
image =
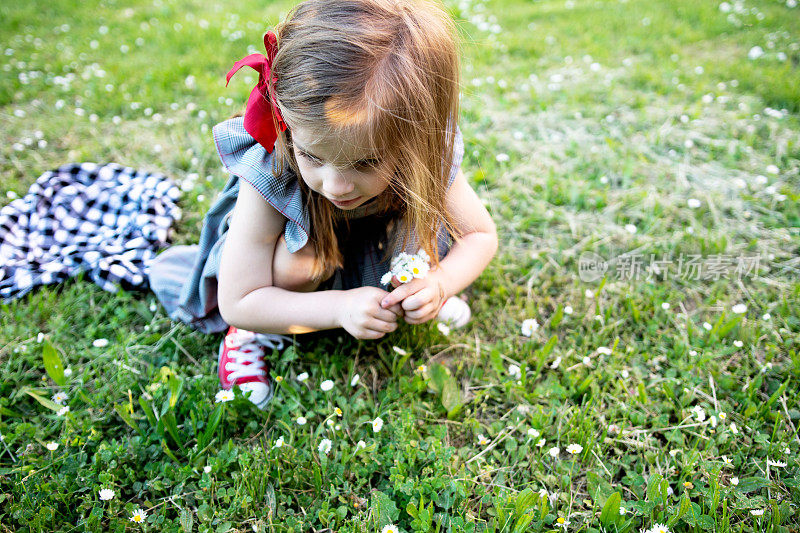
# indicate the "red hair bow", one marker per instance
pixel 262 113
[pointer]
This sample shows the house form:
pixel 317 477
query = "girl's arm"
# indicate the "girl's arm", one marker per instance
pixel 466 259
pixel 246 297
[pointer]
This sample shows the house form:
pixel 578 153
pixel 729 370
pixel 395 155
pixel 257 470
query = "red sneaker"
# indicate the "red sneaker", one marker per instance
pixel 241 362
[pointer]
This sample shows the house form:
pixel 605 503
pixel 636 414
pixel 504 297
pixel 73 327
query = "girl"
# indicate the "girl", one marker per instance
pixel 348 153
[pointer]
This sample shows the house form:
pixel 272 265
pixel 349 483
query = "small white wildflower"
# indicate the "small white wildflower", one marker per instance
pixel 60 397
pixel 326 385
pixel 625 374
pixel 278 443
pixel 756 512
pixel 302 377
pixel 63 411
pixel 361 444
pixel 727 460
pixel 529 325
pixel 106 494
pixel 734 481
pixel 673 453
pixel 664 305
pixel 443 328
pixel 739 309
pixel 555 363
pixel 574 449
pixel 482 440
pixel 502 158
pixel 514 371
pixel 138 516
pixel 354 380
pixel 699 413
pixel 755 52
pixel 613 428
pixel 734 429
pixel 630 228
pixel 540 443
pixel 568 310
pixel 223 396
pixel 587 360
pixel 738 343
pixel 779 464
pixel 52 446
pixel 324 446
pixel 660 528
pixel 707 326
pixel 533 433
pixel 377 424
pixel 390 528
pixel 693 203
pixel 554 451
pixel 603 350
pixel 399 350
pixel 766 316
pixel 301 421
pixel 100 343
pixel 622 511
pixel 67 372
pixel 713 421
pixel 773 169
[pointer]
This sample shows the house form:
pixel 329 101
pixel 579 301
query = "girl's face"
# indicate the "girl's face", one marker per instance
pixel 341 170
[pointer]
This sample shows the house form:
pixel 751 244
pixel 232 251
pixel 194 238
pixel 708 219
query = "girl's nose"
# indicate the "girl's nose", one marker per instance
pixel 336 185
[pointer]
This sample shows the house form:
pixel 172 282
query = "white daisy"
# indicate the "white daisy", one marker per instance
pixel 354 380
pixel 326 385
pixel 555 363
pixel 361 444
pixel 324 446
pixel 278 443
pixel 67 372
pixel 302 377
pixel 399 350
pixel 443 328
pixel 106 494
pixel 739 309
pixel 722 415
pixel 223 396
pixel 554 451
pixel 587 360
pixel 540 443
pixel 756 512
pixel 100 343
pixel 779 464
pixel 727 460
pixel 301 421
pixel 568 310
pixel 533 433
pixel 734 481
pixel 60 397
pixel 604 350
pixel 514 371
pixel 734 428
pixel 390 528
pixel 664 305
pixel 659 528
pixel 574 449
pixel 63 411
pixel 482 440
pixel 138 515
pixel 738 344
pixel 529 325
pixel 693 203
pixel 377 424
pixel 207 469
pixel 707 326
pixel 387 278
pixel 52 446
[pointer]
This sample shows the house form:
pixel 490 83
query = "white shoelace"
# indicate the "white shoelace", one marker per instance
pixel 248 359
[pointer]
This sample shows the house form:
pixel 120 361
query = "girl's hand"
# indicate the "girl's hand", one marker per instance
pixel 362 315
pixel 421 298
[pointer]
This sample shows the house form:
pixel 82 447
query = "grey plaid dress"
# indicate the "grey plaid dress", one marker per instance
pixel 184 278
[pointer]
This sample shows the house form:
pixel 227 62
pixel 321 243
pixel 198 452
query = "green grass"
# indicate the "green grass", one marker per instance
pixel 590 149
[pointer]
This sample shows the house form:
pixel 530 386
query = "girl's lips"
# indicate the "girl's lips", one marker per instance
pixel 349 202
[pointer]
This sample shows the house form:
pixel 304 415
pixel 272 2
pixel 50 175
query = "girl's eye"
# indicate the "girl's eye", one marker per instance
pixel 311 158
pixel 366 164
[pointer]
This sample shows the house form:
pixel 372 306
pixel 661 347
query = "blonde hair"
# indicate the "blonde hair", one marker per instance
pixel 386 71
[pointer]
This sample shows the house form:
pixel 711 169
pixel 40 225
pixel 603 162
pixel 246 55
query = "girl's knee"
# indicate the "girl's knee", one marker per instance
pixel 292 271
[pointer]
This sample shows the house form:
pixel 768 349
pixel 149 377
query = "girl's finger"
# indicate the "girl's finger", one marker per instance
pixel 423 311
pixel 380 325
pixel 372 334
pixel 417 300
pixel 385 315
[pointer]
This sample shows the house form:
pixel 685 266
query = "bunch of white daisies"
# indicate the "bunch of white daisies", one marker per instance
pixel 406 267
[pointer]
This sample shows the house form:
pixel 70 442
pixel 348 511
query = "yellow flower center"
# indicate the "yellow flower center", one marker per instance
pixel 137 518
pixel 560 520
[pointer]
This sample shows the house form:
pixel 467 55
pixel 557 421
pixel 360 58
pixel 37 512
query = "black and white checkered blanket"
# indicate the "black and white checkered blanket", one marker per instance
pixel 107 221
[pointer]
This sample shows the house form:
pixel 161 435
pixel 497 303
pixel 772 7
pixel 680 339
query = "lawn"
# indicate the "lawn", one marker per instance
pixel 633 355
